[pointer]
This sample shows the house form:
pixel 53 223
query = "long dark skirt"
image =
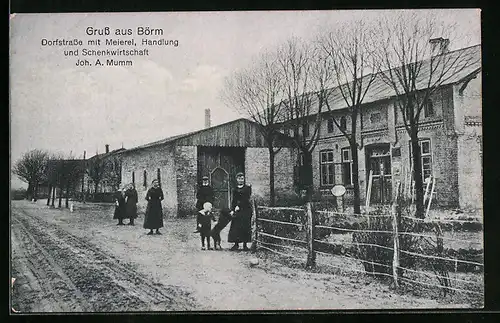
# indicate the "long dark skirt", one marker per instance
pixel 241 227
pixel 131 210
pixel 120 212
pixel 153 218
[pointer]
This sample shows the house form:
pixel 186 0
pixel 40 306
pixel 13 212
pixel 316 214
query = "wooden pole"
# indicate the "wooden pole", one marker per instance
pixel 53 196
pixel 427 188
pixel 311 255
pixel 255 233
pixel 369 190
pixel 395 258
pixel 430 197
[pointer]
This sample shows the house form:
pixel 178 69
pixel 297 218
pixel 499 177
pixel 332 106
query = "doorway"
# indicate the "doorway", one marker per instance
pixel 378 160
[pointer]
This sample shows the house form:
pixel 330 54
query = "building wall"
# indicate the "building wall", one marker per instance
pixel 150 160
pixel 468 110
pixel 389 130
pixel 257 173
pixel 186 174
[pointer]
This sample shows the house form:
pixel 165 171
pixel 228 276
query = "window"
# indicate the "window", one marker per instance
pixel 375 117
pixel 426 157
pixel 133 178
pixel 329 124
pixel 346 166
pixel 158 176
pixel 327 168
pixel 343 123
pixel 428 109
pixel 145 180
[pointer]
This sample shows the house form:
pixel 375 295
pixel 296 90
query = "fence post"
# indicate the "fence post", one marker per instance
pixel 395 258
pixel 311 255
pixel 253 247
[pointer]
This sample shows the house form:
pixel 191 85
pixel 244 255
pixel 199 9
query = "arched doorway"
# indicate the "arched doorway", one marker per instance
pixel 219 178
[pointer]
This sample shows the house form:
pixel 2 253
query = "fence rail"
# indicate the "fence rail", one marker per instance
pixel 394 269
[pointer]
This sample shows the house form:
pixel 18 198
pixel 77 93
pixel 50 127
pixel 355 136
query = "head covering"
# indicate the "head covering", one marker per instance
pixel 205 177
pixel 155 181
pixel 240 174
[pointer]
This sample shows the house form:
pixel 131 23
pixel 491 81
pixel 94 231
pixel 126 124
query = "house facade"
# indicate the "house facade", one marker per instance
pixel 450 141
pixel 219 152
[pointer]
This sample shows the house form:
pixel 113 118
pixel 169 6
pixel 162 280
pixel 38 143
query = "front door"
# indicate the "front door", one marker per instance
pixel 379 162
pixel 220 184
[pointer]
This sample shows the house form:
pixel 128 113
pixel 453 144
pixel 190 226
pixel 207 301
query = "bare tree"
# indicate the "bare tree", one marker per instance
pixel 350 51
pixel 306 78
pixel 113 171
pixel 31 169
pixel 72 170
pixel 256 92
pixel 414 71
pixel 96 170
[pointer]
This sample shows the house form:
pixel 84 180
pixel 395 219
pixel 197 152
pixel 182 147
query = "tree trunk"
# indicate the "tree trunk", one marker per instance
pixel 307 175
pixel 53 195
pixel 60 197
pixel 417 172
pixel 35 189
pixel 67 196
pixel 355 178
pixel 50 193
pixel 272 194
pixel 355 163
pixel 29 191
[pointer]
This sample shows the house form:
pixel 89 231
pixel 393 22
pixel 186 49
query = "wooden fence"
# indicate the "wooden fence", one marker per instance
pixel 295 230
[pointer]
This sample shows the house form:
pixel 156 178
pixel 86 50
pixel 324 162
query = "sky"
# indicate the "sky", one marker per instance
pixel 57 106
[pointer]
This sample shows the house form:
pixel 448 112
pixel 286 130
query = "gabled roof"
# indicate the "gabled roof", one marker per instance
pixel 111 153
pixel 241 132
pixel 380 90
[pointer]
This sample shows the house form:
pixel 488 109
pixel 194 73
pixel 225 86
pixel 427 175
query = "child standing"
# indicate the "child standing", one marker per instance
pixel 204 224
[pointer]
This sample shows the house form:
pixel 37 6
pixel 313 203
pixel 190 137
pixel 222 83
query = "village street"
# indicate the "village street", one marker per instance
pixel 83 261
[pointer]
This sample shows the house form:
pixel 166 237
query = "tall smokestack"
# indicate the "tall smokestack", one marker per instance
pixel 84 154
pixel 107 149
pixel 207 118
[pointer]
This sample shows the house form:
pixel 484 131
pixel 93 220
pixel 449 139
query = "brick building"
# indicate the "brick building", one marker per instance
pixel 449 133
pixel 219 152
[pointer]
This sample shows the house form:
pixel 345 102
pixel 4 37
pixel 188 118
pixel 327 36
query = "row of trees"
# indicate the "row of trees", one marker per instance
pixel 291 88
pixel 38 167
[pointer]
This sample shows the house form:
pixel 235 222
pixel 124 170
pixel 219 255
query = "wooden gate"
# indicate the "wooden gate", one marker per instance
pixel 221 164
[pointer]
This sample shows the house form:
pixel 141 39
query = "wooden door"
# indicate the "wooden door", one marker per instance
pixel 220 183
pixel 379 161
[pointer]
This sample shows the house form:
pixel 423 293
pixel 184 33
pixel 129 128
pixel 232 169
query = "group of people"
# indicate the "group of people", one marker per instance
pixel 239 214
pixel 126 207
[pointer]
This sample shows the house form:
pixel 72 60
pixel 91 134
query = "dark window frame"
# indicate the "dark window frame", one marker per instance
pixel 325 165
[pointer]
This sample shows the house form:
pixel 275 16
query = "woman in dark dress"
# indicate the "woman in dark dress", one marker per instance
pixel 120 207
pixel 241 211
pixel 131 203
pixel 154 214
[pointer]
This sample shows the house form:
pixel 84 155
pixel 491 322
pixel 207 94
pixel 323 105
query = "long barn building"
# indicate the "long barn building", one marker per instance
pixel 218 152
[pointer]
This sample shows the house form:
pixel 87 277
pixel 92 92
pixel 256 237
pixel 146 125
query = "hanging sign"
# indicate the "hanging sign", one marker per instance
pixel 338 190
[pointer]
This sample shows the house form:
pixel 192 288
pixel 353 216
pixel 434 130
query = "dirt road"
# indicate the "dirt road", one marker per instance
pixel 83 261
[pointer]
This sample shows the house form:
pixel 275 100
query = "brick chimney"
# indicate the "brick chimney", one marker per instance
pixel 439 45
pixel 107 149
pixel 207 118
